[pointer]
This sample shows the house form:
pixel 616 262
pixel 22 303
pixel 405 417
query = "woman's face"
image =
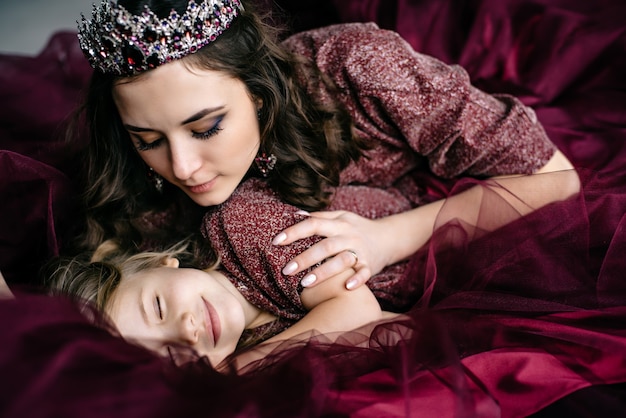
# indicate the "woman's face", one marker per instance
pixel 165 308
pixel 197 128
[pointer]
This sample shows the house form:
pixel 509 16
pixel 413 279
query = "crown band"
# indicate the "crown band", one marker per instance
pixel 118 42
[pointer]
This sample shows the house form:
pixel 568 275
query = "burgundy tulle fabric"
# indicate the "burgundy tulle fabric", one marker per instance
pixel 526 320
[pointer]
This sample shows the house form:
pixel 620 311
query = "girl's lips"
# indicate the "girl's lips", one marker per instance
pixel 212 319
pixel 202 188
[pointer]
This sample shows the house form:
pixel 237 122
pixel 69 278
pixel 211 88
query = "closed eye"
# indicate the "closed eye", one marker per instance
pixel 209 133
pixel 159 309
pixel 141 145
pixel 147 146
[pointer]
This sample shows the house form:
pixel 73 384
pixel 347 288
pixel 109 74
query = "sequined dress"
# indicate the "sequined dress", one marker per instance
pixel 427 123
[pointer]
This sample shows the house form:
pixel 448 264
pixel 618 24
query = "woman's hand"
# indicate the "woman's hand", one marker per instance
pixel 352 242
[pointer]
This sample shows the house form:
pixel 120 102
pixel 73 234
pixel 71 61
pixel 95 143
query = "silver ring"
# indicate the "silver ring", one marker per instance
pixel 356 257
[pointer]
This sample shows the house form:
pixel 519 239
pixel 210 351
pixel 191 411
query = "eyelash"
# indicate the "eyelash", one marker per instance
pixel 144 146
pixel 158 303
pixel 208 134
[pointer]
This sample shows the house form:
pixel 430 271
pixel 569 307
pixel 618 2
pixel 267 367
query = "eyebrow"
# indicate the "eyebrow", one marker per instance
pixel 197 116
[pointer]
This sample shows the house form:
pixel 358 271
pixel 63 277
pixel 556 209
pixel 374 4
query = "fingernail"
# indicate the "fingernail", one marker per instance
pixel 308 280
pixel 351 284
pixel 279 238
pixel 303 213
pixel 290 268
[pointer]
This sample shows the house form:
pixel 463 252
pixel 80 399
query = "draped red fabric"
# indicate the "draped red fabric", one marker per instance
pixel 525 320
pixel 37 98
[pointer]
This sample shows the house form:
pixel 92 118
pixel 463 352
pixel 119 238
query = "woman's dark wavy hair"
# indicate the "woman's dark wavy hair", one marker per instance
pixel 312 143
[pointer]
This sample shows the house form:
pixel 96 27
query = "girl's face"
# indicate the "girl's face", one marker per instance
pixel 196 128
pixel 165 308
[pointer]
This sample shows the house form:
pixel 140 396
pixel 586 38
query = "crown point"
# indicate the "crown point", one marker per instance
pixel 129 44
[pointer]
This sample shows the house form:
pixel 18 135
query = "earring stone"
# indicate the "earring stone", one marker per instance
pixel 265 163
pixel 156 180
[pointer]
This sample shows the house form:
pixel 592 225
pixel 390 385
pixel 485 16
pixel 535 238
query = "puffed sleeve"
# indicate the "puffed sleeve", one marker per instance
pixel 241 231
pixel 390 88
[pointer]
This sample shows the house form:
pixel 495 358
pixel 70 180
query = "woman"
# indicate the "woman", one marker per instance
pixel 218 109
pixel 170 310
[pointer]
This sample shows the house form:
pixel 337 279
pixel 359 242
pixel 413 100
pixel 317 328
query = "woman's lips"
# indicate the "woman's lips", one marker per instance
pixel 202 188
pixel 212 321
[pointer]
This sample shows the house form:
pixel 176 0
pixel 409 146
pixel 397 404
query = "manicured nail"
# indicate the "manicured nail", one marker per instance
pixel 279 238
pixel 303 213
pixel 290 268
pixel 308 280
pixel 351 284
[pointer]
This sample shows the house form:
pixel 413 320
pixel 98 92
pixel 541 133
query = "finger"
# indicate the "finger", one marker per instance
pixel 338 264
pixel 361 277
pixel 316 254
pixel 311 226
pixel 295 232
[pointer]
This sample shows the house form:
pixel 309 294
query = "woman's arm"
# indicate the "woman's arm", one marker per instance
pixel 524 194
pixel 384 241
pixel 432 111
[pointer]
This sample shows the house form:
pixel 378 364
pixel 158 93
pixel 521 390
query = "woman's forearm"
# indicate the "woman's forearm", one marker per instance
pixel 368 245
pixel 411 230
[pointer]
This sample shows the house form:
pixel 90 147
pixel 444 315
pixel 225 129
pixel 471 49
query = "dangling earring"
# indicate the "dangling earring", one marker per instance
pixel 265 163
pixel 155 179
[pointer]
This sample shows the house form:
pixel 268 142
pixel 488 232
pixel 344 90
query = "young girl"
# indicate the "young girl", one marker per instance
pixel 154 301
pixel 194 103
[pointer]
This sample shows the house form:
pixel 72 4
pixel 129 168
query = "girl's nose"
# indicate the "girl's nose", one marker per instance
pixel 189 332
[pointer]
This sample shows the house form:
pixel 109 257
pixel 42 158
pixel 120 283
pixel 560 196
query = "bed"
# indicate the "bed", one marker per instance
pixel 479 342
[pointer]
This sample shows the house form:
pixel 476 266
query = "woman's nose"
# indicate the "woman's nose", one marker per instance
pixel 185 159
pixel 189 331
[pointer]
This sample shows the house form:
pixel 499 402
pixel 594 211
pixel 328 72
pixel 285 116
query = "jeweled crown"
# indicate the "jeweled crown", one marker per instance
pixel 117 42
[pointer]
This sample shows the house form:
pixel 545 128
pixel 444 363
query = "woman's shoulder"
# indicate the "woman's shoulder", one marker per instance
pixel 351 35
pixel 363 55
pixel 326 32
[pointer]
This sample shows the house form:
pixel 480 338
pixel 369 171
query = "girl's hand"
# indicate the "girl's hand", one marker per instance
pixel 352 242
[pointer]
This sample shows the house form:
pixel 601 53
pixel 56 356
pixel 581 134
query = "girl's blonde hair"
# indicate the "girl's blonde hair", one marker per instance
pixel 94 280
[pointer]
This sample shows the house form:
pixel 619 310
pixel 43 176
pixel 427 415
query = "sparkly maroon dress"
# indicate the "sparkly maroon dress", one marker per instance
pixel 526 320
pixel 421 116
